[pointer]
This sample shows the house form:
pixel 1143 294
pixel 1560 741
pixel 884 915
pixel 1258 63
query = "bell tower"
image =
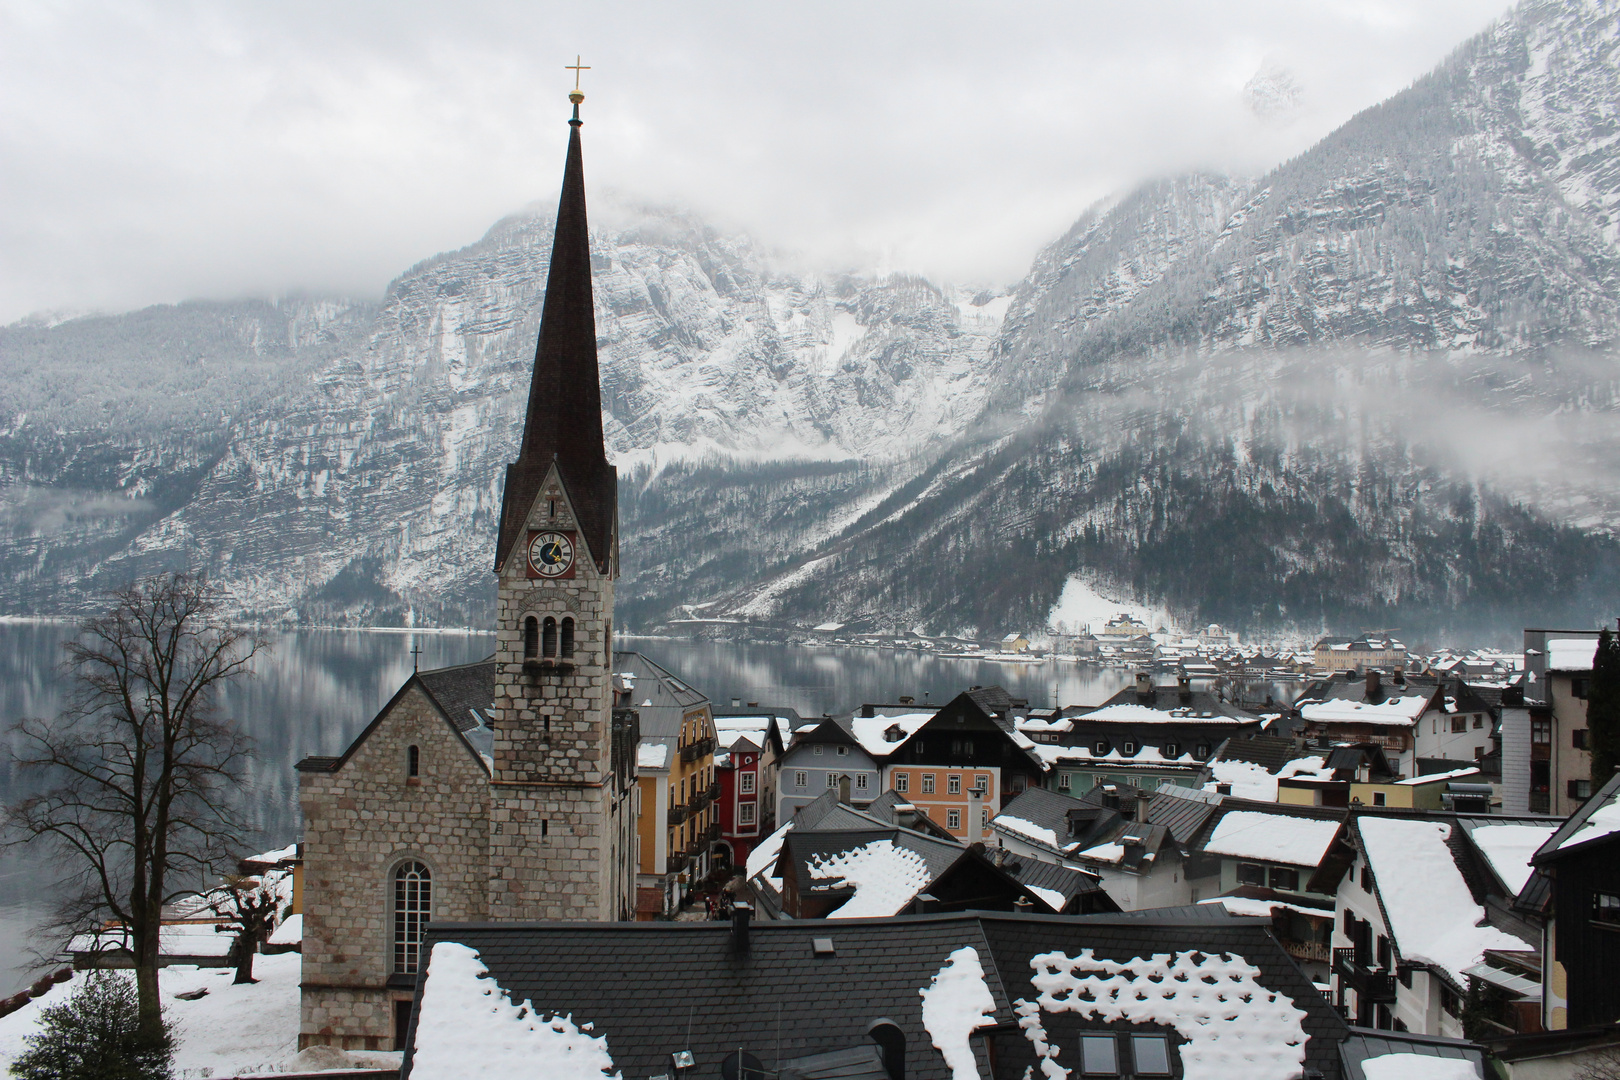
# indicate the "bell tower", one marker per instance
pixel 561 829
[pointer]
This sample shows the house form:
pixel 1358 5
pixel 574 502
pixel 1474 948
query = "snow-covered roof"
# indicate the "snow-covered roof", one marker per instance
pixel 465 1017
pixel 1252 781
pixel 1145 714
pixel 764 856
pixel 1571 654
pixel 955 1003
pixel 1418 1067
pixel 1037 723
pixel 175 939
pixel 1431 912
pixel 1601 821
pixel 1217 1002
pixel 290 932
pixel 884 876
pixel 1027 829
pixel 1248 905
pixel 872 732
pixel 652 755
pixel 1051 754
pixel 1454 774
pixel 1397 710
pixel 1508 849
pixel 1282 838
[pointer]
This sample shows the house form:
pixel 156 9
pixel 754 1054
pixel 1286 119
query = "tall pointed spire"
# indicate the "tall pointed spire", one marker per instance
pixel 564 422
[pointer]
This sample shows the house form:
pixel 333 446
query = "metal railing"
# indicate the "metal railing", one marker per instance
pixel 692 751
pixel 1370 984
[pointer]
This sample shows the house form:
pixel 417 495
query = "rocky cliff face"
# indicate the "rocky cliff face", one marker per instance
pixel 1377 385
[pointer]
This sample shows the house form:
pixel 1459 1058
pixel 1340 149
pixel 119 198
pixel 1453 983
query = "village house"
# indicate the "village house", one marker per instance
pixel 677 826
pixel 746 763
pixel 825 756
pixel 1409 717
pixel 1559 669
pixel 1145 736
pixel 1336 655
pixel 1421 900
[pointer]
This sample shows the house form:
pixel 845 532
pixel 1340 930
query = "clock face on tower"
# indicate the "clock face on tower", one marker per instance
pixel 551 554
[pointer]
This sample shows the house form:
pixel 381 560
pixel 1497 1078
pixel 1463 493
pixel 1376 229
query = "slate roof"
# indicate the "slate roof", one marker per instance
pixel 1043 809
pixel 782 1002
pixel 1557 845
pixel 1184 818
pixel 1045 875
pixel 806 847
pixel 463 694
pixel 1270 752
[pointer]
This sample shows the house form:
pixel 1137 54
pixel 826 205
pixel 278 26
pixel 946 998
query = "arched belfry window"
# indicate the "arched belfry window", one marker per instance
pixel 413 906
pixel 548 637
pixel 531 638
pixel 568 638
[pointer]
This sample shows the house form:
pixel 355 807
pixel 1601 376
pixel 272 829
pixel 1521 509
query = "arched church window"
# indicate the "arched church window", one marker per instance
pixel 568 638
pixel 548 636
pixel 413 905
pixel 531 638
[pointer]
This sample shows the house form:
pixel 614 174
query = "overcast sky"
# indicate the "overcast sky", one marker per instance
pixel 157 152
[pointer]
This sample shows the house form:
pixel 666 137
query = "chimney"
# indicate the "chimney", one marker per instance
pixel 1142 800
pixel 1375 687
pixel 1184 687
pixel 1144 684
pixel 1023 904
pixel 741 912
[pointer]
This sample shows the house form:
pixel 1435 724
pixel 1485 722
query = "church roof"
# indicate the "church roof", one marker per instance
pixel 564 420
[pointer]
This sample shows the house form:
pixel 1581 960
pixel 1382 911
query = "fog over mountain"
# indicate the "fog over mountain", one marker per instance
pixel 1376 386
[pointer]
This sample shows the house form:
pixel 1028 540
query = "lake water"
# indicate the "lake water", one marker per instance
pixel 314 690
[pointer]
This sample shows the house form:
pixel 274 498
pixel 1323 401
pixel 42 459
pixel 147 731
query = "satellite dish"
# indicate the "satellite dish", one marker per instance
pixel 740 1065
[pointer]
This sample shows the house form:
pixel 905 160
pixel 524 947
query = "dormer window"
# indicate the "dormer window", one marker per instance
pixel 1171 750
pixel 1100 747
pixel 1129 748
pixel 1201 751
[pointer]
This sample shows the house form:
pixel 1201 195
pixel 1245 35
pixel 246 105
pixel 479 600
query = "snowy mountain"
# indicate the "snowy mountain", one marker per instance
pixel 1377 385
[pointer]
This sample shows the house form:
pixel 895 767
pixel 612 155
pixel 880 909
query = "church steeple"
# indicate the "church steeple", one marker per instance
pixel 564 421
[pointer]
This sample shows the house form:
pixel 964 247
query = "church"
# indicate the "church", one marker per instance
pixel 502 790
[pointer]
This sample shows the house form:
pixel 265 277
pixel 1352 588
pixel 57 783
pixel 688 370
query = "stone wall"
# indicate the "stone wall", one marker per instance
pixel 361 823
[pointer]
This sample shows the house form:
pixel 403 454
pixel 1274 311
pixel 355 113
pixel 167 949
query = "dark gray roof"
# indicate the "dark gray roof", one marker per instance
pixel 1045 875
pixel 1270 752
pixel 805 848
pixel 1044 809
pixel 466 693
pixel 1365 1043
pixel 1184 818
pixel 1554 847
pixel 782 1002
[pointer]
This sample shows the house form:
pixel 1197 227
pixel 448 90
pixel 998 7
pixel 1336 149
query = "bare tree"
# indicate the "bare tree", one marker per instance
pixel 249 908
pixel 137 778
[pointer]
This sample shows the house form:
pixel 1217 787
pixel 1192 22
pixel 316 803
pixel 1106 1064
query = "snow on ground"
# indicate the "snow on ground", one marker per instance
pixel 1027 829
pixel 1233 1025
pixel 470 1027
pixel 1432 914
pixel 956 1002
pixel 1418 1067
pixel 1602 821
pixel 1249 834
pixel 884 878
pixel 232 1030
pixel 1080 605
pixel 1401 710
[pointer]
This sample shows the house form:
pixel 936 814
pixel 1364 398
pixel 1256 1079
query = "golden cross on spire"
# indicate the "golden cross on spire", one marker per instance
pixel 576 67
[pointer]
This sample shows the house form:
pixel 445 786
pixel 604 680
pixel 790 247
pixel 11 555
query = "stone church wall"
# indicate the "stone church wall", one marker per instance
pixel 360 824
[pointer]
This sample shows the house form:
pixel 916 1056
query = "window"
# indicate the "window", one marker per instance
pixel 902 783
pixel 1577 738
pixel 1541 732
pixel 816 749
pixel 1580 789
pixel 832 779
pixel 1099 1055
pixel 1366 878
pixel 801 779
pixel 1449 1001
pixel 928 783
pixel 860 781
pixel 1380 798
pixel 843 751
pixel 1606 909
pixel 548 637
pixel 1577 688
pixel 531 638
pixel 1201 751
pixel 1386 955
pixel 413 905
pixel 1479 721
pixel 1064 781
pixel 953 785
pixel 1459 723
pixel 745 813
pixel 568 639
pixel 1129 747
pixel 1251 874
pixel 1283 877
pixel 1151 1054
pixel 1171 750
pixel 953 819
pixel 745 783
pixel 413 762
pixel 982 782
pixel 1100 747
